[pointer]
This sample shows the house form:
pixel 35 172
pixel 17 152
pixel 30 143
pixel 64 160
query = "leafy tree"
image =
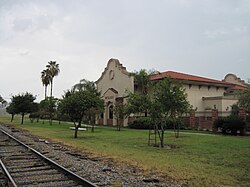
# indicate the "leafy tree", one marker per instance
pixel 168 102
pixel 77 105
pixel 35 114
pixel 244 99
pixel 235 110
pixel 141 80
pixel 120 112
pixel 138 103
pixel 90 86
pixel 11 110
pixel 23 104
pixel 47 107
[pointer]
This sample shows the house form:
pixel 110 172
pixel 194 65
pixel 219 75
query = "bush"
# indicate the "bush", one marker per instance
pixel 172 123
pixel 248 118
pixel 141 123
pixel 146 123
pixel 231 125
pixel 218 123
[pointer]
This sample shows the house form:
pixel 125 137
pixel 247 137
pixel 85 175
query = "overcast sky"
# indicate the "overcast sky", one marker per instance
pixel 208 38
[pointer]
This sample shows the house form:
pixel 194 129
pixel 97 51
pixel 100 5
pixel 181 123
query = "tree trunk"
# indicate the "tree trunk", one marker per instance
pixel 51 87
pixel 176 130
pixel 118 125
pixel 22 118
pixel 76 130
pixel 162 138
pixel 12 117
pixel 76 127
pixel 45 94
pixel 51 101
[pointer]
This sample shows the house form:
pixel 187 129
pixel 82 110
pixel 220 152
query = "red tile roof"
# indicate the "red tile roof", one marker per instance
pixel 187 77
pixel 238 87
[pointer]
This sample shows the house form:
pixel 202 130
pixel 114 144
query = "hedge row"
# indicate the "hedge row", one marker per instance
pixel 231 125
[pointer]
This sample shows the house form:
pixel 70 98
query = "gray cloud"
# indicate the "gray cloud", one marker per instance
pixel 22 24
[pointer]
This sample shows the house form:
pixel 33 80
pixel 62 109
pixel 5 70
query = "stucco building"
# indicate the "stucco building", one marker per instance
pixel 209 98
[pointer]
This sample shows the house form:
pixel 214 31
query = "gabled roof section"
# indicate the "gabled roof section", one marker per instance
pixel 117 65
pixel 112 90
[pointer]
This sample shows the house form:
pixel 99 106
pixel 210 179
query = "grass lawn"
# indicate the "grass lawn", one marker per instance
pixel 198 160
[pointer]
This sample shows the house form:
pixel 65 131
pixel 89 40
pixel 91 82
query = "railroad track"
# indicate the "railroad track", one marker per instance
pixel 21 165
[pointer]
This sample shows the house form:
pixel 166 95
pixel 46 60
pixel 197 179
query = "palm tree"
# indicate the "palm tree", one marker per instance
pixel 52 70
pixel 45 80
pixel 142 80
pixel 139 101
pixel 86 85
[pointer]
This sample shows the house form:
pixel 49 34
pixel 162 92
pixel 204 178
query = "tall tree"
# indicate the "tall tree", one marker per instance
pixel 138 102
pixel 23 104
pixel 45 81
pixel 168 102
pixel 142 80
pixel 244 99
pixel 47 107
pixel 52 71
pixel 86 85
pixel 90 86
pixel 11 110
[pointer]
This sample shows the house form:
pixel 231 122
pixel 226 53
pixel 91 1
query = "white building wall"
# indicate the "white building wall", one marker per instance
pixel 196 93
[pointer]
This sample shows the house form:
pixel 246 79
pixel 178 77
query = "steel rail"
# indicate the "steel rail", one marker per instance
pixel 11 181
pixel 73 176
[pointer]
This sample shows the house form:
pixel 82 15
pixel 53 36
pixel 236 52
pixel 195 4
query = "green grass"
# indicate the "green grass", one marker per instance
pixel 198 160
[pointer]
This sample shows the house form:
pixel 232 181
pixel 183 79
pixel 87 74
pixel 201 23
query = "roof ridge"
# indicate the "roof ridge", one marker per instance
pixel 188 77
pixel 193 75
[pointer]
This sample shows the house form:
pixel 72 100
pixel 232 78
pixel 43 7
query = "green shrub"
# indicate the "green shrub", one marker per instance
pixel 141 123
pixel 218 123
pixel 231 125
pixel 177 123
pixel 248 118
pixel 146 123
